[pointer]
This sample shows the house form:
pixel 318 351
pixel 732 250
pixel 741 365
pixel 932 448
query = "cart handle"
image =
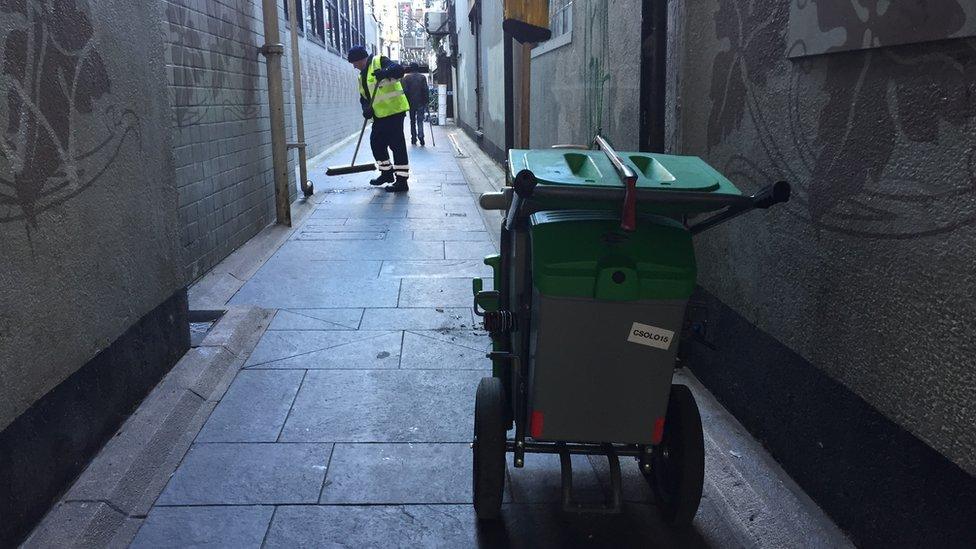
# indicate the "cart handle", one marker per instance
pixel 524 184
pixel 628 218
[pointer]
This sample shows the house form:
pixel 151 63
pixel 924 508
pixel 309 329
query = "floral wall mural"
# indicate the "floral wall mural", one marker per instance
pixel 841 160
pixel 867 272
pixel 56 90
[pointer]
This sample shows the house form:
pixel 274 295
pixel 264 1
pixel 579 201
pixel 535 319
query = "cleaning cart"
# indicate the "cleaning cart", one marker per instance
pixel 587 312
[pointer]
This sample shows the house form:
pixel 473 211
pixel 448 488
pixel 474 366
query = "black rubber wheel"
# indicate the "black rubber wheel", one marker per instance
pixel 489 448
pixel 677 470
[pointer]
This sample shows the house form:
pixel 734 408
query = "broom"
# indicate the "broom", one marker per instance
pixel 352 167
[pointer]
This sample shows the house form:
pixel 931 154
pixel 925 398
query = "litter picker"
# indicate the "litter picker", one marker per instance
pixel 352 167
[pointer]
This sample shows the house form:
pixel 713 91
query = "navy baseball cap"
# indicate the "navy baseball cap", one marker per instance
pixel 356 53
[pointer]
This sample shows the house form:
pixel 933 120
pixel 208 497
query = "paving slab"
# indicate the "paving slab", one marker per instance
pixel 444 235
pixel 246 474
pixel 380 249
pixel 466 223
pixel 254 408
pixel 383 406
pixel 317 319
pixel 339 235
pixel 231 527
pixel 327 349
pixel 433 526
pixel 446 349
pixel 445 268
pixel 422 319
pixel 437 292
pixel 306 290
pixel 363 210
pixel 399 473
pixel 468 250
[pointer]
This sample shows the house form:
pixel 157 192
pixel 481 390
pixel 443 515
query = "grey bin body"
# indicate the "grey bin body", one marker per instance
pixel 589 381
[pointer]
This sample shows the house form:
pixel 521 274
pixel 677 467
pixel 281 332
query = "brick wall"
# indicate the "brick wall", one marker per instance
pixel 220 122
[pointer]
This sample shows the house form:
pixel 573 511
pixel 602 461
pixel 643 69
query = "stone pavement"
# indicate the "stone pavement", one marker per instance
pixel 350 423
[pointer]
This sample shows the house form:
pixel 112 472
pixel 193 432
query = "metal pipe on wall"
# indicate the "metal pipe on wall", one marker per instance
pixel 272 51
pixel 509 93
pixel 296 71
pixel 525 95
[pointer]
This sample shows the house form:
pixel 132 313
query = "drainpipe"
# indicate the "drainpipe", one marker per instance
pixel 509 94
pixel 525 95
pixel 296 70
pixel 272 51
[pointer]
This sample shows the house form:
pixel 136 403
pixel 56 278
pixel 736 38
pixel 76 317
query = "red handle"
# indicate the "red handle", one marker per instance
pixel 628 220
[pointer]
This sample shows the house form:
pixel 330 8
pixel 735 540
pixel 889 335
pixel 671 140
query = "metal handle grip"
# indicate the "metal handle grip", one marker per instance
pixel 524 185
pixel 628 218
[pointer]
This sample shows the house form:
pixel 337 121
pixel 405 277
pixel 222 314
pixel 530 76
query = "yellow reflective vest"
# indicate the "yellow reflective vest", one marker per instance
pixel 389 99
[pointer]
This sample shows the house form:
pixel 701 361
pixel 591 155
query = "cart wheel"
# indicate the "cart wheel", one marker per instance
pixel 489 448
pixel 678 463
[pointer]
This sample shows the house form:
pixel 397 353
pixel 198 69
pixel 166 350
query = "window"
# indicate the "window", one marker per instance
pixel 560 17
pixel 337 23
pixel 561 25
pixel 298 9
pixel 316 20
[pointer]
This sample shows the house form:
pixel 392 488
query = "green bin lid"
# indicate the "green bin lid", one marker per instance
pixel 592 168
pixel 585 254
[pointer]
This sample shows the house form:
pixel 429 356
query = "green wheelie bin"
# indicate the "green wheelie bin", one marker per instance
pixel 587 315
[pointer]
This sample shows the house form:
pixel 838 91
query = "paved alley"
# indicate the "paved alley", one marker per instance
pixel 350 423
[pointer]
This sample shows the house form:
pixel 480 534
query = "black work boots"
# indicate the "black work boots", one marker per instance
pixel 399 187
pixel 383 179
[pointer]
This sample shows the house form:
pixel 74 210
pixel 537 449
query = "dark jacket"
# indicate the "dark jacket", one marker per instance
pixel 395 71
pixel 415 88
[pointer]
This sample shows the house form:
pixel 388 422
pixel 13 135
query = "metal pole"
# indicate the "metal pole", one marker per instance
pixel 509 78
pixel 296 78
pixel 273 50
pixel 525 97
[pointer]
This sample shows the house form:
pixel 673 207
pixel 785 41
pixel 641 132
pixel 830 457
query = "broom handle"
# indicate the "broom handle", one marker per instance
pixel 372 97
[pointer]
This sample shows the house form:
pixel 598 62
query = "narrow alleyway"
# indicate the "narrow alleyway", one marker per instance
pixel 350 423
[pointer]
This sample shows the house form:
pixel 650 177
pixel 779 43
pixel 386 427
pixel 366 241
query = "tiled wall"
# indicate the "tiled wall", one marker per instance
pixel 221 126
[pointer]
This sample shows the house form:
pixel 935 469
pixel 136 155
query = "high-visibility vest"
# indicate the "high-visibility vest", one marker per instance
pixel 389 99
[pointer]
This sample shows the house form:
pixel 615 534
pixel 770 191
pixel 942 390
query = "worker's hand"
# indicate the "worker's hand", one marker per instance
pixel 380 74
pixel 368 112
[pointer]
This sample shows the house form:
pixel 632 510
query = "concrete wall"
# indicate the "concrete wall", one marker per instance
pixel 492 67
pixel 93 307
pixel 592 83
pixel 587 85
pixel 221 125
pixel 88 220
pixel 493 75
pixel 466 75
pixel 874 256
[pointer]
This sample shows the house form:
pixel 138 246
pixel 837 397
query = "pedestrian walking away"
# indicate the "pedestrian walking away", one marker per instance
pixel 418 95
pixel 388 110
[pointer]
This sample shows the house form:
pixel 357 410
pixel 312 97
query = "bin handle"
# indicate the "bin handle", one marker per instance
pixel 628 218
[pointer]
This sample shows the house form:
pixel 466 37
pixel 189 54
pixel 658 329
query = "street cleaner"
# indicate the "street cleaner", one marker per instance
pixel 388 110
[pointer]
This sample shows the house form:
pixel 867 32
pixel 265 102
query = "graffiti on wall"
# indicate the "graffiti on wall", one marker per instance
pixel 62 131
pixel 847 144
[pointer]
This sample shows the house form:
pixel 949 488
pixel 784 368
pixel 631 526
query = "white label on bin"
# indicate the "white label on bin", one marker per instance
pixel 652 336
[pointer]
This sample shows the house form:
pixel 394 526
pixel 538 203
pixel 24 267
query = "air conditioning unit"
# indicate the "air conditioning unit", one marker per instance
pixel 414 42
pixel 437 23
